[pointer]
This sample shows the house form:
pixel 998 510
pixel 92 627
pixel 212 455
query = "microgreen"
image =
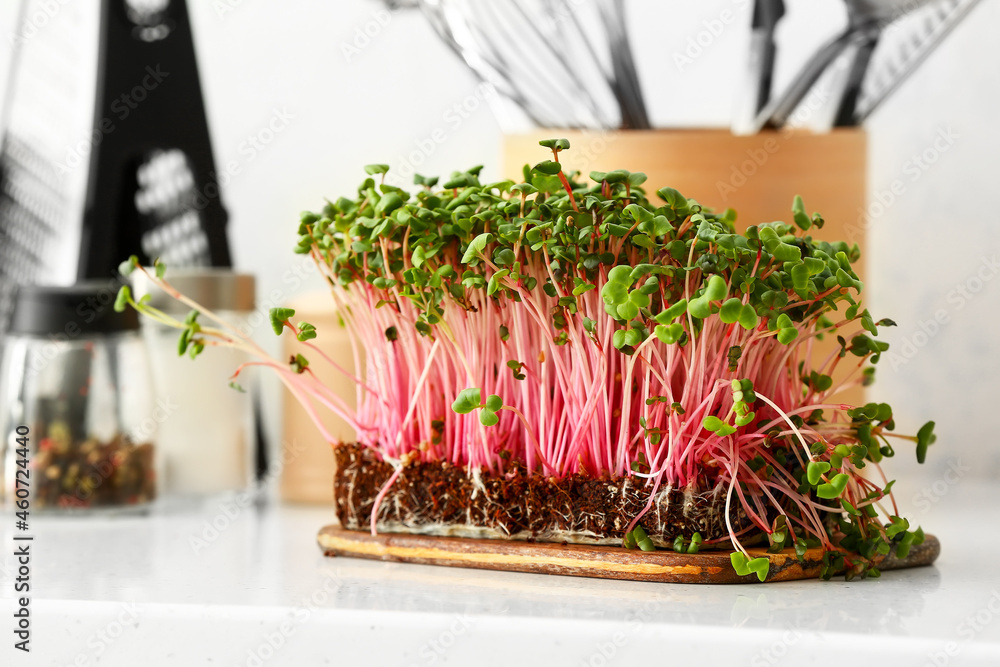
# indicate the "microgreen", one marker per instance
pixel 744 566
pixel 615 334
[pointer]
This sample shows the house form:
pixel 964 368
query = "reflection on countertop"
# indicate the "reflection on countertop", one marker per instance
pixel 198 564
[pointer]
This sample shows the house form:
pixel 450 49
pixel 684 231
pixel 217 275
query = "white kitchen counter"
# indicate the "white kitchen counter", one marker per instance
pixel 144 591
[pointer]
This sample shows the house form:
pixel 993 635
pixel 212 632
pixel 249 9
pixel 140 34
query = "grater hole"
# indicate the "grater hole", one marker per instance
pixel 169 205
pixel 149 18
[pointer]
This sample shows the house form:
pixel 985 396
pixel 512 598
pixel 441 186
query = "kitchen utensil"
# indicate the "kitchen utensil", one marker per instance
pixel 866 19
pixel 99 163
pixel 866 38
pixel 624 79
pixel 758 83
pixel 920 34
pixel 552 62
pixel 154 191
pixel 46 131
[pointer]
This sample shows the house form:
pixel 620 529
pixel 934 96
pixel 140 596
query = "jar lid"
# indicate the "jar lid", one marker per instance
pixel 84 308
pixel 213 288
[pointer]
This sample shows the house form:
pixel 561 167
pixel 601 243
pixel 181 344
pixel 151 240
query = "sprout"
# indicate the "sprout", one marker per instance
pixel 611 335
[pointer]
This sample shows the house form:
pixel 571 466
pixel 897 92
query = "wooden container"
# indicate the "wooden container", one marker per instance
pixel 756 175
pixel 307 474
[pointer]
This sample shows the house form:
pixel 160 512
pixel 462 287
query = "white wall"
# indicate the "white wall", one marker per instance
pixel 260 58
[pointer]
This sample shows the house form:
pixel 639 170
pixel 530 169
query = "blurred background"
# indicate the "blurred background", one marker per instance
pixel 300 95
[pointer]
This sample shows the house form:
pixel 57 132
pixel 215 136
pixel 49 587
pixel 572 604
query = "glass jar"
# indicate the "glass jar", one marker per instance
pixel 209 443
pixel 75 386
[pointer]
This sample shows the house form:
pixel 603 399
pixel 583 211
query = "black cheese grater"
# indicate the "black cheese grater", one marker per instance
pixel 153 190
pixel 137 177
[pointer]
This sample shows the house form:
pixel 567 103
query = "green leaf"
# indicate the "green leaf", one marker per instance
pixel 557 144
pixel 673 312
pixel 748 317
pixel 699 307
pixel 740 563
pixel 494 402
pixel 925 438
pixel 669 333
pixel 717 426
pixel 160 268
pixel 128 266
pixel 548 167
pixel 503 257
pixel 716 290
pixel 121 301
pixel 372 169
pixel 897 526
pixel 785 252
pixel 833 488
pixel 787 335
pixel 467 401
pixel 476 247
pixel 800 278
pixel 627 310
pixel 799 214
pixel 488 417
pixel 278 317
pixel 388 204
pixel 759 566
pixel 183 342
pixel 815 471
pixel 731 310
pixel 419 256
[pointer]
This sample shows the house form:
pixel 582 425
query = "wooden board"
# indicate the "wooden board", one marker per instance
pixel 585 561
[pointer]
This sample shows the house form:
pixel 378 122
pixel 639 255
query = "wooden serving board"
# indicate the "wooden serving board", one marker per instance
pixel 580 560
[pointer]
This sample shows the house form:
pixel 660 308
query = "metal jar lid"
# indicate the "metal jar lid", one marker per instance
pixel 86 308
pixel 214 288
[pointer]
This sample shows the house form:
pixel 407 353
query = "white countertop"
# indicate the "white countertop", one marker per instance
pixel 145 591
